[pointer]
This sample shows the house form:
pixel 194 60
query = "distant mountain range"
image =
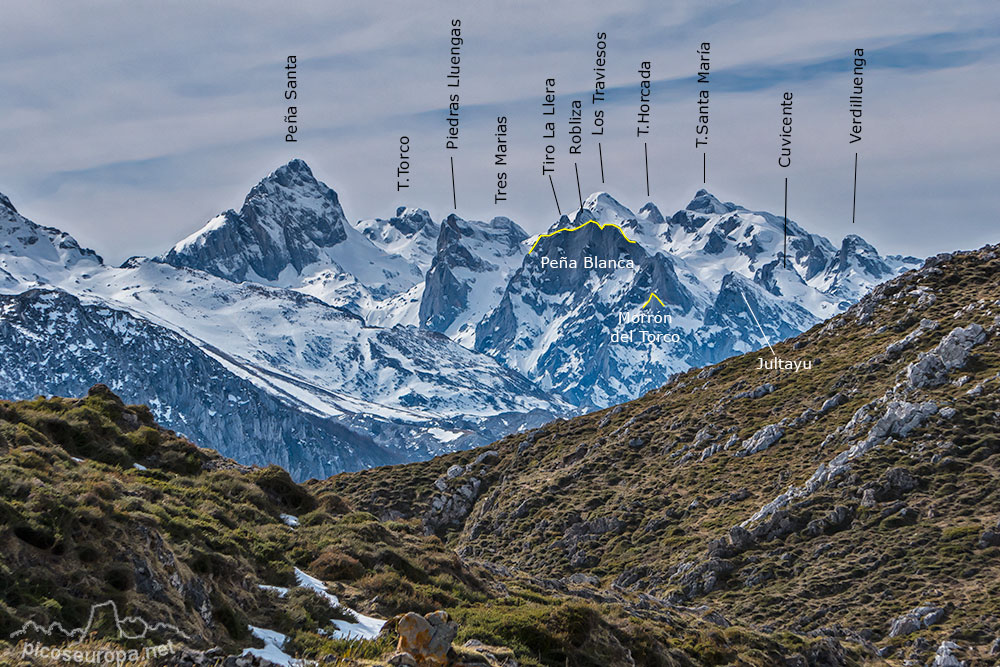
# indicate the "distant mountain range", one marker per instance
pixel 284 333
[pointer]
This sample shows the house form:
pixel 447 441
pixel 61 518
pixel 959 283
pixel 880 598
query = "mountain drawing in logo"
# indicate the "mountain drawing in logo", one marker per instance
pixel 128 627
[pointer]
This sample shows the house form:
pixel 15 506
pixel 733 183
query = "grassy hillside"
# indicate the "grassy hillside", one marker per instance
pixel 99 504
pixel 658 502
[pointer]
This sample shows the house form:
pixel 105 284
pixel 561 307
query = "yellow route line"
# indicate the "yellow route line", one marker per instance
pixel 567 229
pixel 652 295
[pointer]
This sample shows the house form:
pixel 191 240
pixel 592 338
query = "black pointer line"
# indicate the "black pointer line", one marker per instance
pixel 579 193
pixel 645 151
pixel 854 204
pixel 784 255
pixel 554 194
pixel 454 196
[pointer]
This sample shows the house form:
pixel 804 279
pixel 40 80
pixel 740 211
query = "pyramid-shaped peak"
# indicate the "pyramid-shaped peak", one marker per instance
pixel 651 213
pixel 5 203
pixel 296 174
pixel 602 207
pixel 705 202
pixel 295 166
pixel 854 243
pixel 286 219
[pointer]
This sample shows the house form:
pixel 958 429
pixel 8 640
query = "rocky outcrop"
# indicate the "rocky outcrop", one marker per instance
pixel 916 619
pixel 761 440
pixel 472 263
pixel 458 489
pixel 932 369
pixel 424 641
pixel 898 420
pixel 757 392
pixel 945 655
pixel 897 347
pixel 702 578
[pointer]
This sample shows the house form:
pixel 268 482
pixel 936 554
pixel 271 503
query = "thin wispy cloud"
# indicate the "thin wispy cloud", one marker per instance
pixel 131 125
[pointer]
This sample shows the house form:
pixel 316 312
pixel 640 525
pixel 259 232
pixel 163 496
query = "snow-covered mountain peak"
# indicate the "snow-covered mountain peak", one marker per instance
pixel 33 256
pixel 407 222
pixel 286 220
pixel 602 207
pixel 501 232
pixel 292 232
pixel 290 201
pixel 705 202
pixel 411 234
pixel 651 214
pixel 471 267
pixel 5 204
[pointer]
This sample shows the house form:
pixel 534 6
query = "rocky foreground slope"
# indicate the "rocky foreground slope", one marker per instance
pixel 857 499
pixel 117 530
pixel 840 514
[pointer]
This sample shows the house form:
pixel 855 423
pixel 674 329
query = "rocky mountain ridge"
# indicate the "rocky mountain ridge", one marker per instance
pixel 430 337
pixel 303 360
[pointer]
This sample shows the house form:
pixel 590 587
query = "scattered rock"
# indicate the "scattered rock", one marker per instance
pixel 897 347
pixel 455 471
pixel 944 657
pixel 761 440
pixel 916 619
pixel 932 369
pixel 448 509
pixel 836 520
pixel 990 538
pixel 704 577
pixel 900 418
pixel 716 618
pixel 807 416
pixel 631 576
pixel 758 392
pixel 488 457
pixel 896 482
pixel 947 413
pixel 778 525
pixel 577 454
pixel 583 578
pixel 740 538
pixel 636 443
pixel 403 660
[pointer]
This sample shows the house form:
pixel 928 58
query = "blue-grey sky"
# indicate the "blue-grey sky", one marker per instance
pixel 131 124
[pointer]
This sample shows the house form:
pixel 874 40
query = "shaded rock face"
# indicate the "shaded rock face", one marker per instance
pixel 577 361
pixel 81 345
pixel 285 221
pixel 471 258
